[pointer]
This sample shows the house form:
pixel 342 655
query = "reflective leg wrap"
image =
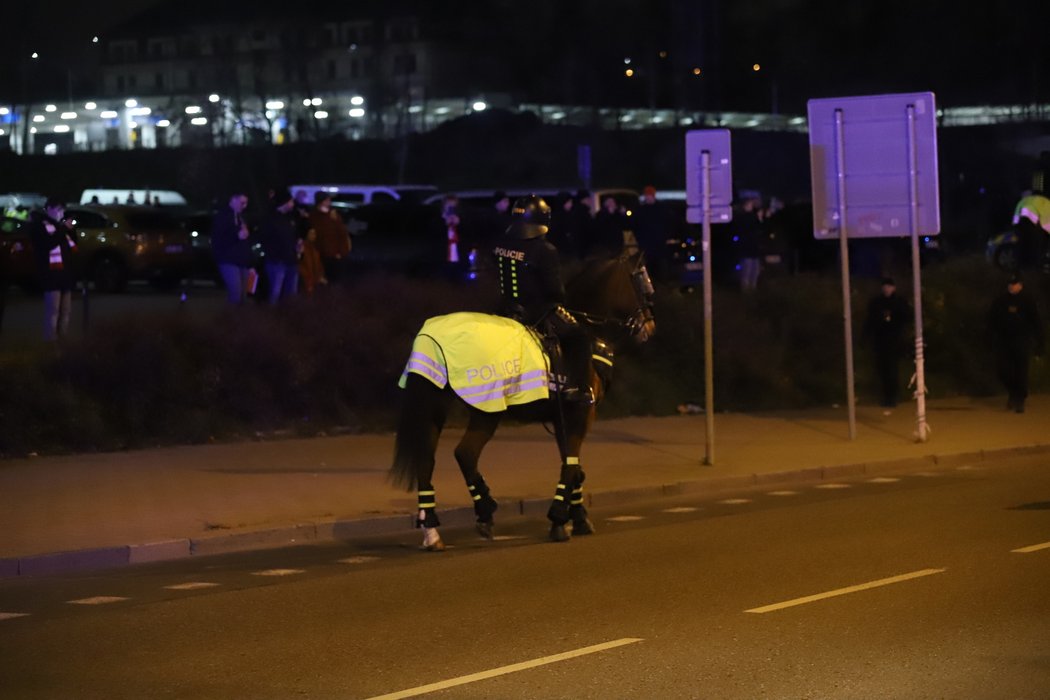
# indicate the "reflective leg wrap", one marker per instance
pixel 427 514
pixel 559 510
pixel 576 507
pixel 484 504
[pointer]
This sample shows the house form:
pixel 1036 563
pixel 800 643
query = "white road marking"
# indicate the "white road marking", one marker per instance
pixel 504 538
pixel 279 572
pixel 970 468
pixel 844 591
pixel 681 509
pixel 358 560
pixel 782 493
pixel 833 486
pixel 625 518
pixel 11 616
pixel 1032 548
pixel 503 670
pixel 192 586
pixel 735 501
pixel 883 480
pixel 97 600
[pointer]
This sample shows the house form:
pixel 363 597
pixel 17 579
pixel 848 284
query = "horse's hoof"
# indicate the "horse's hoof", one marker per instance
pixel 432 541
pixel 559 533
pixel 484 529
pixel 582 527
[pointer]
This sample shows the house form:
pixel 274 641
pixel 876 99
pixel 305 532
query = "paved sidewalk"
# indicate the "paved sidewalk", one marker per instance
pixel 91 511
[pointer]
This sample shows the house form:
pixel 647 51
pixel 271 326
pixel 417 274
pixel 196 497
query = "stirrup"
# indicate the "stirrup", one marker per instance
pixel 575 394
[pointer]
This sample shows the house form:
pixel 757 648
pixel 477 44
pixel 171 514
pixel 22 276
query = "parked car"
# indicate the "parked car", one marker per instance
pixel 115 244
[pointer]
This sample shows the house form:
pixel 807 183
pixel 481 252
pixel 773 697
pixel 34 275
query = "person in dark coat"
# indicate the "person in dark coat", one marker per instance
pixel 610 222
pixel 53 247
pixel 532 291
pixel 1015 330
pixel 885 327
pixel 280 241
pixel 747 227
pixel 652 224
pixel 231 248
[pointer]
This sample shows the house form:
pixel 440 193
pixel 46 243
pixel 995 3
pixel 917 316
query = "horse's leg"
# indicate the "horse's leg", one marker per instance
pixel 480 429
pixel 434 409
pixel 571 426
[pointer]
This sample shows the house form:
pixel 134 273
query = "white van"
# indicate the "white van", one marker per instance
pixel 143 196
pixel 352 196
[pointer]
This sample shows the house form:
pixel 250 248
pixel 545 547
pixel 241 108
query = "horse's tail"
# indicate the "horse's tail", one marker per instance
pixel 418 429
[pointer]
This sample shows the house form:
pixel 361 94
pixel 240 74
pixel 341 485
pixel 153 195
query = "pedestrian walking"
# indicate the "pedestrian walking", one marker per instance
pixel 747 226
pixel 53 247
pixel 333 237
pixel 231 248
pixel 1016 331
pixel 652 224
pixel 280 243
pixel 884 328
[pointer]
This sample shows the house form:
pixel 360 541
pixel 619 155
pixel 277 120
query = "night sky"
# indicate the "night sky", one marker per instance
pixel 967 53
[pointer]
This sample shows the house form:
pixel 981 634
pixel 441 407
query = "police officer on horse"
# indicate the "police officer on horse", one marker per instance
pixel 532 291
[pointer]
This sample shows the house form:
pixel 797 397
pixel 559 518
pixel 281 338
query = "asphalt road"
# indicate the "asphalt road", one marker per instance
pixel 925 585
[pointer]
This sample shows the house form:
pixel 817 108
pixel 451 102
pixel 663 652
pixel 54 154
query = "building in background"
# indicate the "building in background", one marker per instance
pixel 195 73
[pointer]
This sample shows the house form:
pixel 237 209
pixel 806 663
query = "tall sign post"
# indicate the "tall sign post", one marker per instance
pixel 874 175
pixel 709 197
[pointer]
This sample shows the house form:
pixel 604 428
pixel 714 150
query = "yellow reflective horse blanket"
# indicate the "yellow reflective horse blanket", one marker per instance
pixel 491 362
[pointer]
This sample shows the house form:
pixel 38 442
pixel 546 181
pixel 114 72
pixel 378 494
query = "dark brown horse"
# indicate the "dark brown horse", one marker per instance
pixel 613 299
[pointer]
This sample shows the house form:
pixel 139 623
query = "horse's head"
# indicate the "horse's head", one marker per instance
pixel 616 295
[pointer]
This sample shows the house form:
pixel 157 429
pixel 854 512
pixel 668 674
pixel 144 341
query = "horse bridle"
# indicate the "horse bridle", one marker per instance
pixel 637 323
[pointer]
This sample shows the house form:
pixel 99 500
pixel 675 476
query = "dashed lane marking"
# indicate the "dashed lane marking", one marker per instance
pixel 625 518
pixel 358 560
pixel 191 586
pixel 97 600
pixel 833 486
pixel 504 538
pixel 1031 548
pixel 681 509
pixel 883 480
pixel 11 616
pixel 844 591
pixel 782 493
pixel 970 468
pixel 735 501
pixel 279 572
pixel 503 670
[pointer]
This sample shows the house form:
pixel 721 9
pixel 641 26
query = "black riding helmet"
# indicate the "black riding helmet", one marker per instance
pixel 530 218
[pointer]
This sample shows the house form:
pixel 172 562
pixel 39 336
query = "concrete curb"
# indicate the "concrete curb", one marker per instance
pixel 348 529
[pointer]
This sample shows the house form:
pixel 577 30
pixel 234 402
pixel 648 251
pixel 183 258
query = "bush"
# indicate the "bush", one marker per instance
pixel 332 362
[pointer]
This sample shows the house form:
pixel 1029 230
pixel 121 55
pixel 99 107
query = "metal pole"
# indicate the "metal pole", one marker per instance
pixel 921 429
pixel 847 316
pixel 709 373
